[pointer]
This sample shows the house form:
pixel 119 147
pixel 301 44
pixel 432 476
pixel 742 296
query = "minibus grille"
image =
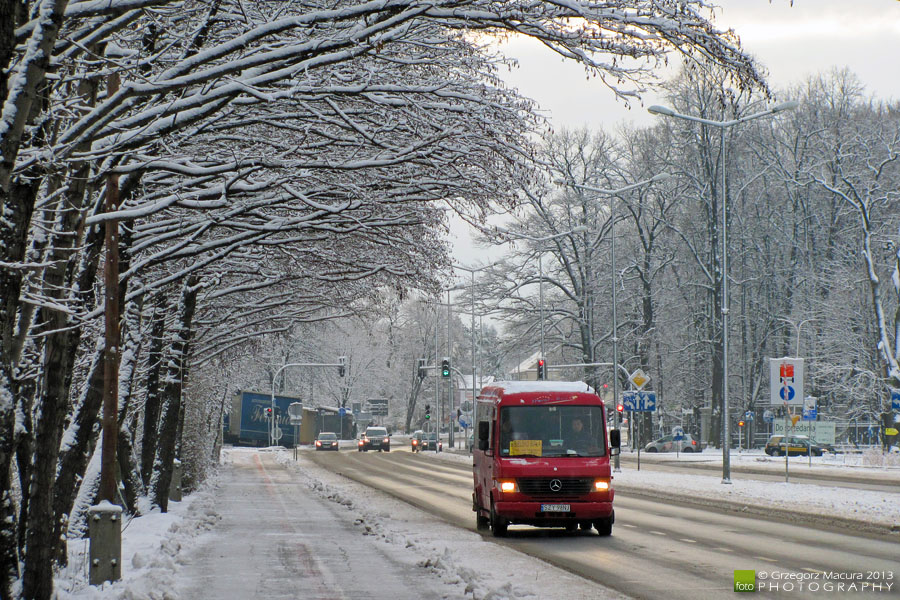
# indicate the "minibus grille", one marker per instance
pixel 546 487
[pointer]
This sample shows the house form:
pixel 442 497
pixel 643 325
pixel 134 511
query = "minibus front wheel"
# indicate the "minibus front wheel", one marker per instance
pixel 498 524
pixel 604 527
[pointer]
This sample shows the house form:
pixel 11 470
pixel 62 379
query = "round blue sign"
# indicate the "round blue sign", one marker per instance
pixel 790 393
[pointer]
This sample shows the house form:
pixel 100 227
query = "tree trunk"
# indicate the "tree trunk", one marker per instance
pixel 75 455
pixel 171 398
pixel 13 232
pixel 152 402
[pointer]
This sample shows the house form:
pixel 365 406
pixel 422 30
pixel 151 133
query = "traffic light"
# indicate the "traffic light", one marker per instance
pixel 427 411
pixel 540 369
pixel 458 414
pixel 740 423
pixel 268 412
pixel 620 407
pixel 342 364
pixel 423 371
pixel 445 368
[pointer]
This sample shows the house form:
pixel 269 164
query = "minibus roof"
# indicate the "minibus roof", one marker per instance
pixel 504 388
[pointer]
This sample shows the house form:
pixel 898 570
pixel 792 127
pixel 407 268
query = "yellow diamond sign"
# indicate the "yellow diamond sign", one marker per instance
pixel 639 379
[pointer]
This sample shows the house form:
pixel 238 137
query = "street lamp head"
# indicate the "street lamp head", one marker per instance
pixel 665 111
pixel 660 177
pixel 789 105
pixel 579 229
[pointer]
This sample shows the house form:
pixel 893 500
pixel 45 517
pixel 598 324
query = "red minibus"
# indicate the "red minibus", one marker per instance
pixel 541 457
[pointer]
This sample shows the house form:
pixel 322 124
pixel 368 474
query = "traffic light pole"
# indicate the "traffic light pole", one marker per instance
pixel 341 365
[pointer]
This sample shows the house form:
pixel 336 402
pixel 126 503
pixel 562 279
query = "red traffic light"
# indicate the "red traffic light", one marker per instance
pixel 620 407
pixel 740 423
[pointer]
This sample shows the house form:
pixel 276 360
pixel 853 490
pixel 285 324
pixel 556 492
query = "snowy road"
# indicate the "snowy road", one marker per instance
pixel 690 552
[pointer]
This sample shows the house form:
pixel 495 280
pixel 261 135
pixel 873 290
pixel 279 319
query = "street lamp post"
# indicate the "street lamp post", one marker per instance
pixel 798 327
pixel 723 125
pixel 472 271
pixel 612 233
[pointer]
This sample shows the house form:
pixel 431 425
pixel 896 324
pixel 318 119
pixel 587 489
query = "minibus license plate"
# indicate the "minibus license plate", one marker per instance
pixel 555 508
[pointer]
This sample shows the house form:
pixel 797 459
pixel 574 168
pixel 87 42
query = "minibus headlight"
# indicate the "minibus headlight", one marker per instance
pixel 507 485
pixel 601 485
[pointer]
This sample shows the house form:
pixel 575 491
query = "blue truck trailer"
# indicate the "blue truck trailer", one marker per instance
pixel 248 421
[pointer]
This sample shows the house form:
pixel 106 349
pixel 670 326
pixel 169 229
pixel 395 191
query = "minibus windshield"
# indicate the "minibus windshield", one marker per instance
pixel 552 430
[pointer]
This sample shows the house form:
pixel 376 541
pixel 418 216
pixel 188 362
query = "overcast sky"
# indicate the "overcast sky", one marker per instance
pixel 792 42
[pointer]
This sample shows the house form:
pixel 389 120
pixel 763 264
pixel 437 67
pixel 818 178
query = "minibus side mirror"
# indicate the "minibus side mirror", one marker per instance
pixel 484 432
pixel 615 438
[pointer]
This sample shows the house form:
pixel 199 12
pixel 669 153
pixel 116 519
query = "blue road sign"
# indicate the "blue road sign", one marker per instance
pixel 768 416
pixel 639 401
pixel 895 399
pixel 463 424
pixel 342 411
pixel 790 393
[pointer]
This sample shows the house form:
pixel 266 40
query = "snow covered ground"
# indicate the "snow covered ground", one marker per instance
pixel 461 563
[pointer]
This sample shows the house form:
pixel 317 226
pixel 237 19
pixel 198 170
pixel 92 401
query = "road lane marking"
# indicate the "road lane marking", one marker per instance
pixel 657 532
pixel 724 549
pixel 773 560
pixel 688 540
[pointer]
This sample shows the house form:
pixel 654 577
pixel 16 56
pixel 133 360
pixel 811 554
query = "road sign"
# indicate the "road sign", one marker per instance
pixel 809 409
pixel 378 406
pixel 677 434
pixel 277 433
pixel 768 416
pixel 639 401
pixel 342 411
pixel 639 379
pixel 786 375
pixel 463 424
pixel 895 399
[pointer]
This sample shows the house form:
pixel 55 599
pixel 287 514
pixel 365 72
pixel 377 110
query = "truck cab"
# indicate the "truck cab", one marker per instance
pixel 541 457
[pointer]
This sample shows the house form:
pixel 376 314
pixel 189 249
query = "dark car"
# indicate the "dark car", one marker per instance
pixel 668 443
pixel 430 441
pixel 796 445
pixel 415 440
pixel 327 441
pixel 375 438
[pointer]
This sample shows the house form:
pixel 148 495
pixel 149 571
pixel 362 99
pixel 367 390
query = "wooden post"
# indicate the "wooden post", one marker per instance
pixel 108 461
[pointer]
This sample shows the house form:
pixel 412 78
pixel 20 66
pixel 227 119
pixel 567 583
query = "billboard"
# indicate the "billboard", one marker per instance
pixel 819 431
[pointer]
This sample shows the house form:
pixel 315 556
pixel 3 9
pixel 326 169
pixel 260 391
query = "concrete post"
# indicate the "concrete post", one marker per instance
pixel 175 484
pixel 105 531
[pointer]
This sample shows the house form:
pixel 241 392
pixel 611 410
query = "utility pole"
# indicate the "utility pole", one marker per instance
pixel 108 485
